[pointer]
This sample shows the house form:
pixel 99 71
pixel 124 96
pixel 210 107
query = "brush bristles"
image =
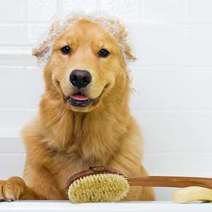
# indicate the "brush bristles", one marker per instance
pixel 99 188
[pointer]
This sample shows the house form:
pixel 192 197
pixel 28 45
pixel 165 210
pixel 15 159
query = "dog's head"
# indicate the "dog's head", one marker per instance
pixel 87 59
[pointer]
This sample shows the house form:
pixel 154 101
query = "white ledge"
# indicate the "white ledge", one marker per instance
pixel 63 206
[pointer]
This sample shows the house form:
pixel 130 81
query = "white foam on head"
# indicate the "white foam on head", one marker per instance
pixel 59 25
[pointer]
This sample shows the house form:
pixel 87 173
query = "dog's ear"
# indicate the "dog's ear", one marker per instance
pixel 122 36
pixel 119 31
pixel 41 50
pixel 128 53
pixel 44 46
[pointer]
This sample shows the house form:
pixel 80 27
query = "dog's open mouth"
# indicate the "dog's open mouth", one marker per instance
pixel 79 100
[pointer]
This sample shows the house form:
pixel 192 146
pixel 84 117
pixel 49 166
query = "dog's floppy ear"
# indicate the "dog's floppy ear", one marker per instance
pixel 128 53
pixel 40 50
pixel 122 36
pixel 43 48
pixel 119 31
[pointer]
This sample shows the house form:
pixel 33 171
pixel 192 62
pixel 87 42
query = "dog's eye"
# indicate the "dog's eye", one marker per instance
pixel 66 49
pixel 103 53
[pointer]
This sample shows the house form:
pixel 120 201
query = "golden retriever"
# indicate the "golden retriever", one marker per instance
pixel 84 118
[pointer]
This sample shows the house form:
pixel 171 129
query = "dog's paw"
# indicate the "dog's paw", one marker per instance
pixel 11 189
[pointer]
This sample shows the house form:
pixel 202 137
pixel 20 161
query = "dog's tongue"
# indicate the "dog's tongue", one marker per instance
pixel 79 97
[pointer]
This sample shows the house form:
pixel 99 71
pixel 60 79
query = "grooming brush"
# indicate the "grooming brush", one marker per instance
pixel 97 184
pixel 101 184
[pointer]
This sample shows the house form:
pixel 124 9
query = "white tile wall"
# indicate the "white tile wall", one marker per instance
pixel 172 77
pixel 200 11
pixel 163 11
pixel 172 88
pixel 42 10
pixel 160 44
pixel 76 6
pixel 128 10
pixel 199 48
pixel 13 11
pixel 15 81
pixel 13 34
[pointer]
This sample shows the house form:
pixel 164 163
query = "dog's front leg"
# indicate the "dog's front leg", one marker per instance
pixel 42 183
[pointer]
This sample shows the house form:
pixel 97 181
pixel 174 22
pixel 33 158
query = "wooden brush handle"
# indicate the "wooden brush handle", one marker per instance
pixel 170 181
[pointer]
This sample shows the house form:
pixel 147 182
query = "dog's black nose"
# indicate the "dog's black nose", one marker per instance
pixel 80 78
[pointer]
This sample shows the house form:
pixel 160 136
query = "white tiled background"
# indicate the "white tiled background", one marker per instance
pixel 172 77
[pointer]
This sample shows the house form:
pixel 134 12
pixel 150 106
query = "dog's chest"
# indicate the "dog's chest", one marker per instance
pixel 64 166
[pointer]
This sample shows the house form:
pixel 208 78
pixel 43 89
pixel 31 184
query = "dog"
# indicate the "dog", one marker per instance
pixel 84 117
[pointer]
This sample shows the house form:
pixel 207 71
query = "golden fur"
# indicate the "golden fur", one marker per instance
pixel 64 139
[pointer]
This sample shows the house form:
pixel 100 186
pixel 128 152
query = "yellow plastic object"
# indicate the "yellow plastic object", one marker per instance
pixel 192 194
